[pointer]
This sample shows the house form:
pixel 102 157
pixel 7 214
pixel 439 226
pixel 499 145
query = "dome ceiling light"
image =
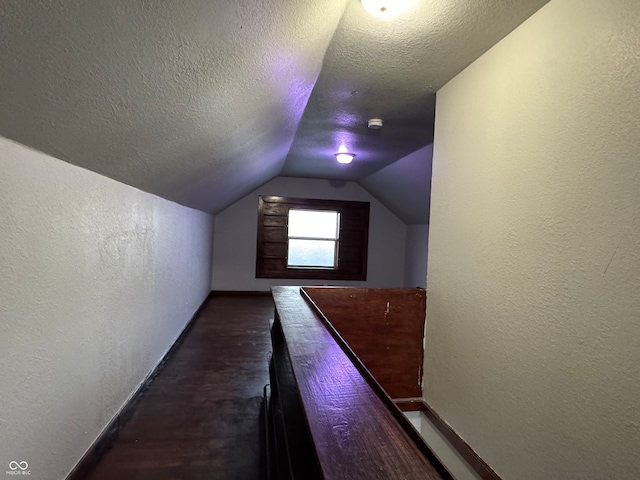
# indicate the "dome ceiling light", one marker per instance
pixel 344 157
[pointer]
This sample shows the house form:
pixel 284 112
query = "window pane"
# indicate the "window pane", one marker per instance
pixel 313 223
pixel 312 253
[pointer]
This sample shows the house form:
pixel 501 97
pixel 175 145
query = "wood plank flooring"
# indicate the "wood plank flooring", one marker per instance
pixel 200 418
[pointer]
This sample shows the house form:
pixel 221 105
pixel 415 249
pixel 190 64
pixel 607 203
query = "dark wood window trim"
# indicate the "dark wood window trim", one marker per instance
pixel 272 243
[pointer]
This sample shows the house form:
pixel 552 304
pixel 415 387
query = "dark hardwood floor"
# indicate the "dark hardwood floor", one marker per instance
pixel 200 417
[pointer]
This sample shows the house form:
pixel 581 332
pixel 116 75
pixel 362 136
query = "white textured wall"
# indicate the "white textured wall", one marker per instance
pixel 533 320
pixel 234 256
pixel 97 279
pixel 416 249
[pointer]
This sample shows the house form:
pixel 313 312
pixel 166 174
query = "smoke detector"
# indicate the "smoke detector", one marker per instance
pixel 374 123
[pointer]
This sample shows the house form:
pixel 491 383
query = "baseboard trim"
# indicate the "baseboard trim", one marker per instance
pixel 484 471
pixel 412 404
pixel 241 293
pixel 110 432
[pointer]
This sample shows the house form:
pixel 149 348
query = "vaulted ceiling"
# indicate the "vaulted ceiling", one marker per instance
pixel 201 101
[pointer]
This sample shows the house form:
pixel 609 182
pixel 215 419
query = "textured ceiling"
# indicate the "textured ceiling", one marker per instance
pixel 404 186
pixel 201 101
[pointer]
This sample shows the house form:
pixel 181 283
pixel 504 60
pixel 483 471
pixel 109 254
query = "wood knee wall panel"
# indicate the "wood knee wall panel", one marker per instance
pixel 384 327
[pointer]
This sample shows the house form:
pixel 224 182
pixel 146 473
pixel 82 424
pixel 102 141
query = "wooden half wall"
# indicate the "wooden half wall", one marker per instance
pixel 383 327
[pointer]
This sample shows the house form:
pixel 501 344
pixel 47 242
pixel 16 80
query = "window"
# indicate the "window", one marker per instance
pixel 312 239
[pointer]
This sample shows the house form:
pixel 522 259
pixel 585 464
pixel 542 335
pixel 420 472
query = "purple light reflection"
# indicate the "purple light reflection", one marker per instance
pixel 345 142
pixel 337 374
pixel 334 377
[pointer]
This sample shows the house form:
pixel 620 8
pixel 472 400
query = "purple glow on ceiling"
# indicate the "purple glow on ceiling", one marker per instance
pixel 344 142
pixel 295 84
pixel 347 120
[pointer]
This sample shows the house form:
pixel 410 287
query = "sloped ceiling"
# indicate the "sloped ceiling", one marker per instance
pixel 404 186
pixel 201 101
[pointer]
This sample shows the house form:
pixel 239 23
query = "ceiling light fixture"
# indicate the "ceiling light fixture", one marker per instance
pixel 384 8
pixel 344 157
